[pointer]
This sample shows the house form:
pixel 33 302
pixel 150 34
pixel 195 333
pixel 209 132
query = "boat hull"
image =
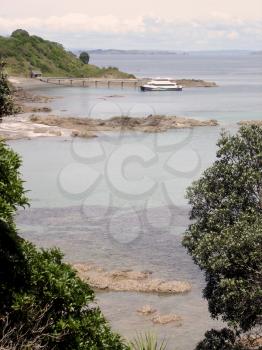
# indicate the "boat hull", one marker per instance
pixel 147 88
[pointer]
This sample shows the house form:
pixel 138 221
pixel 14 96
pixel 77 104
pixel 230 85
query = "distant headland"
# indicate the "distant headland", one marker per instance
pixel 24 52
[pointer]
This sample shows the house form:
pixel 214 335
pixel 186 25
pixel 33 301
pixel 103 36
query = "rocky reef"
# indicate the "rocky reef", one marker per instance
pixel 192 83
pixel 128 280
pixel 158 318
pixel 151 123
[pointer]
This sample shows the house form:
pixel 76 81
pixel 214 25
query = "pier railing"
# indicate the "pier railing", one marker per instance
pixel 95 82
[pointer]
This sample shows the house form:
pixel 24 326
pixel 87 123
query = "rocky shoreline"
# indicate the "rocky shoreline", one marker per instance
pixel 196 83
pixel 49 126
pixel 87 127
pixel 42 124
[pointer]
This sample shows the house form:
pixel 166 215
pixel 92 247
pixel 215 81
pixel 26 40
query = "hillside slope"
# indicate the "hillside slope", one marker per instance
pixel 24 52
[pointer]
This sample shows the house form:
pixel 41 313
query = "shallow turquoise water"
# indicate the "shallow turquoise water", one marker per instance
pixel 122 226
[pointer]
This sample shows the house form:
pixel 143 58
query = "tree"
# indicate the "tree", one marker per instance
pixel 84 57
pixel 20 33
pixel 225 239
pixel 7 106
pixel 43 303
pixel 13 267
pixel 67 315
pixel 12 263
pixel 225 339
pixel 12 193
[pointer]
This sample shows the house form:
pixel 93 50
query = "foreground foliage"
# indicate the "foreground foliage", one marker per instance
pixel 147 341
pixel 43 304
pixel 7 106
pixel 55 308
pixel 225 339
pixel 225 239
pixel 24 52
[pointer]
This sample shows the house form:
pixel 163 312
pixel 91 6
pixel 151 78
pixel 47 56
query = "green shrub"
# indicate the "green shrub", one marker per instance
pixel 84 57
pixel 12 193
pixel 225 239
pixel 64 305
pixel 24 52
pixel 147 341
pixel 7 106
pixel 225 339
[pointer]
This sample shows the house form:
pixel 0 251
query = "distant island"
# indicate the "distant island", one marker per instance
pixel 148 52
pixel 24 52
pixel 95 51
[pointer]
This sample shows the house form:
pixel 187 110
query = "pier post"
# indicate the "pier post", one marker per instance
pixel 96 83
pixel 83 83
pixel 122 84
pixel 71 82
pixel 108 84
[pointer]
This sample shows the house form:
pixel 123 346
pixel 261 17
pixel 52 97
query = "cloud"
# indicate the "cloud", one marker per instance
pixel 232 35
pixel 220 31
pixel 75 22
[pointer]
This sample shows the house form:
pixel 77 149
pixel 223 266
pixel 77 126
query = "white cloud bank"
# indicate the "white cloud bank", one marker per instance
pixel 75 22
pixel 220 31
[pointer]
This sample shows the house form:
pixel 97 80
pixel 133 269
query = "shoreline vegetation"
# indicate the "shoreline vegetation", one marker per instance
pixel 24 52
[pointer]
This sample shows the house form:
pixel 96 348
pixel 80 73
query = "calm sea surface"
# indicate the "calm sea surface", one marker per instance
pixel 119 200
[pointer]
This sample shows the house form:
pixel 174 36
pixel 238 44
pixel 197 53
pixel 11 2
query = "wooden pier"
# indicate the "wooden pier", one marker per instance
pixel 95 82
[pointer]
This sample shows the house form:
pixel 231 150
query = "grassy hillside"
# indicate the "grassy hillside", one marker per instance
pixel 24 52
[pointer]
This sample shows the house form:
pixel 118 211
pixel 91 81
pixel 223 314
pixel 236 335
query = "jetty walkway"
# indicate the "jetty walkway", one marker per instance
pixel 95 82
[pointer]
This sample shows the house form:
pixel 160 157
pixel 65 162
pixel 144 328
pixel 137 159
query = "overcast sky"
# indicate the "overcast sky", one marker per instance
pixel 139 24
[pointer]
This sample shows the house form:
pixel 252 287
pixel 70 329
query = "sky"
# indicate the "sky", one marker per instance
pixel 139 24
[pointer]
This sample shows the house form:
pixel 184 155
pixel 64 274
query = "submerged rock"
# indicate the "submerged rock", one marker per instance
pixel 165 319
pixel 146 310
pixel 129 280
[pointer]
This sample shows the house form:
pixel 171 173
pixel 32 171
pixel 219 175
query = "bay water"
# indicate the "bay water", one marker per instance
pixel 118 200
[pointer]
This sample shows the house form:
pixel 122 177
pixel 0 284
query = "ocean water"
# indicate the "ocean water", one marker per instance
pixel 237 97
pixel 119 199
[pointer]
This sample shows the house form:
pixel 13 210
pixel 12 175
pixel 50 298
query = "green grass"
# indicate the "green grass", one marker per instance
pixel 24 52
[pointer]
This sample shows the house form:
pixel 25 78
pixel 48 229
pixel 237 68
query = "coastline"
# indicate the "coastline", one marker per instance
pixel 120 307
pixel 37 125
pixel 116 82
pixel 26 83
pixel 35 120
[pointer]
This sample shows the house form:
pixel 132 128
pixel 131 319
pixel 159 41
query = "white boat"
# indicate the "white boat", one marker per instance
pixel 161 84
